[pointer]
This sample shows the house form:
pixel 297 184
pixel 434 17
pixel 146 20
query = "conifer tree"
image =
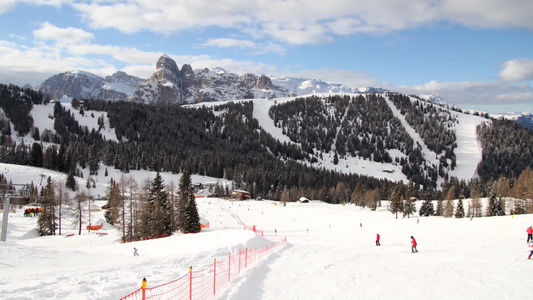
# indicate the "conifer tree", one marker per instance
pixel 71 182
pixel 192 224
pixel 460 210
pixel 491 210
pixel 47 221
pixel 188 216
pixel 113 203
pixel 158 195
pixel 427 208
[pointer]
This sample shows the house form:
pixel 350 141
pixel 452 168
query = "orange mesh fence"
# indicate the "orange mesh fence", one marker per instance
pixel 206 283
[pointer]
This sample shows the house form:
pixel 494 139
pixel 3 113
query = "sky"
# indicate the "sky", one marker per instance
pixel 474 54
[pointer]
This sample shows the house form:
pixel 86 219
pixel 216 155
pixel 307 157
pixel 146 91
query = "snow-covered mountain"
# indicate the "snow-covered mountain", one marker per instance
pixel 169 84
pixel 207 85
pixel 80 84
pixel 525 120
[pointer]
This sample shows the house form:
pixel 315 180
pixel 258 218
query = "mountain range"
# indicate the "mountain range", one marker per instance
pixel 171 85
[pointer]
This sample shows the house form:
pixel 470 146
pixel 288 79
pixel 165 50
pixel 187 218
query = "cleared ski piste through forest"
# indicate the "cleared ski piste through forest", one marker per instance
pixel 330 254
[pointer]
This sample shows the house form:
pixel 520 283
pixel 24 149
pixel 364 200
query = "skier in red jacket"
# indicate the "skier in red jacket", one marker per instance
pixel 529 233
pixel 413 243
pixel 377 240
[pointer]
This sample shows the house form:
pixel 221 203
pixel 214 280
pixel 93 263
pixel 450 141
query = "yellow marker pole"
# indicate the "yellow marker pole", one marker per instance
pixel 143 287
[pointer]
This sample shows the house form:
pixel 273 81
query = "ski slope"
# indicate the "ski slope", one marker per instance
pixel 330 254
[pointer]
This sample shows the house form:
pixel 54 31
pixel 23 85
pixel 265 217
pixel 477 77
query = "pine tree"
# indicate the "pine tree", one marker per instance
pixel 47 221
pixel 427 208
pixel 113 203
pixel 71 182
pixel 460 210
pixel 186 211
pixel 192 224
pixel 492 210
pixel 163 221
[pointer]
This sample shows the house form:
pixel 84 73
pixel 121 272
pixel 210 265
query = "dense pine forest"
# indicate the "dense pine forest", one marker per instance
pixel 227 142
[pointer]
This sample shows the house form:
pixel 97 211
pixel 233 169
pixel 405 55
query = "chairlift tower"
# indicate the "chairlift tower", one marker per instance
pixel 8 192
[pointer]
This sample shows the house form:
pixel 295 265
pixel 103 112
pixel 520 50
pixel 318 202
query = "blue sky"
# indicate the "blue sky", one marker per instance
pixel 476 54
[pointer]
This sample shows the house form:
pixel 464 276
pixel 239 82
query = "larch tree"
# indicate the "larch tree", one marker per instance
pixel 357 195
pixel 396 203
pixel 409 208
pixel 448 206
pixel 62 197
pixel 77 210
pixel 285 196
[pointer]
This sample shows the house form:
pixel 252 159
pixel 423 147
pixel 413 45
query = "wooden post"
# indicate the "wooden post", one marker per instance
pixel 214 276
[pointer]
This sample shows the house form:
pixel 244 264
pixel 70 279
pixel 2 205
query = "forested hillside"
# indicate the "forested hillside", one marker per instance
pixel 226 141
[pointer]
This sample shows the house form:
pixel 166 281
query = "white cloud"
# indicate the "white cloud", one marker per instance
pixel 6 5
pixel 475 94
pixel 488 13
pixel 257 48
pixel 351 79
pixel 67 35
pixel 296 22
pixel 230 43
pixel 517 70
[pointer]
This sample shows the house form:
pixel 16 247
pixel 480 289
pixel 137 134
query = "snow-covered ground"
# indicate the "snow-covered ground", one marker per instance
pixel 330 254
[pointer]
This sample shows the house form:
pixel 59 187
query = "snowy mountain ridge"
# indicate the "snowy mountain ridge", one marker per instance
pixel 171 85
pixel 84 85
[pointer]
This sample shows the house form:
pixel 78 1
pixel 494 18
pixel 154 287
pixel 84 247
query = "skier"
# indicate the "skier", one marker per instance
pixel 530 249
pixel 413 243
pixel 135 253
pixel 529 233
pixel 377 240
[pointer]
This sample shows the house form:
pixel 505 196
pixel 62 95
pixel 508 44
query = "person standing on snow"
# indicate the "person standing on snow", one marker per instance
pixel 529 233
pixel 530 249
pixel 135 253
pixel 377 240
pixel 413 243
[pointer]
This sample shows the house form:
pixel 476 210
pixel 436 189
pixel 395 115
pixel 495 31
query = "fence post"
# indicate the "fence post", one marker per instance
pixel 246 258
pixel 143 287
pixel 214 276
pixel 190 283
pixel 239 261
pixel 229 267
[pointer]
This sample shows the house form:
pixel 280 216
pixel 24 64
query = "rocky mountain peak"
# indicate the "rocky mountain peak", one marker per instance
pixel 163 87
pixel 263 82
